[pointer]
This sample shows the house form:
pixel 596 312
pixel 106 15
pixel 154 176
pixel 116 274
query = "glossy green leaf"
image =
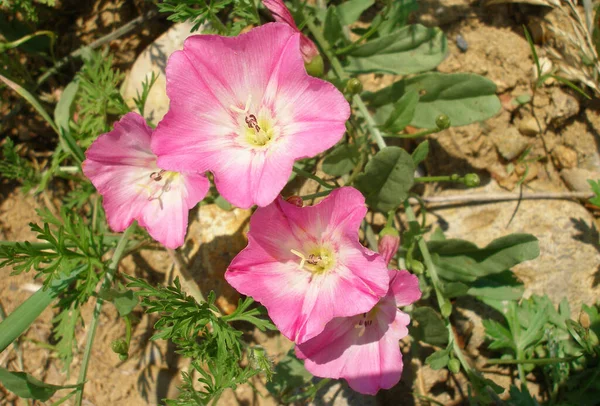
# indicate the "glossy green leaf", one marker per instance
pixel 341 160
pixel 464 97
pixel 411 49
pixel 387 179
pixel 429 326
pixel 420 153
pixel 27 387
pixel 403 112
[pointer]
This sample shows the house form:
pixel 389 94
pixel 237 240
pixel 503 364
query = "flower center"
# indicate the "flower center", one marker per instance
pixel 319 260
pixel 366 320
pixel 161 182
pixel 257 128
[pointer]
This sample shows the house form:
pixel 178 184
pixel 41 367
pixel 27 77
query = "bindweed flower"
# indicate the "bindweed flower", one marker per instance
pixel 364 349
pixel 281 14
pixel 307 266
pixel 245 109
pixel 123 168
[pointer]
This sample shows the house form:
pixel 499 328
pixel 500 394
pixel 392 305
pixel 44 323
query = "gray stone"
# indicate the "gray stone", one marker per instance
pixel 564 106
pixel 509 143
pixel 577 178
pixel 154 59
pixel 569 261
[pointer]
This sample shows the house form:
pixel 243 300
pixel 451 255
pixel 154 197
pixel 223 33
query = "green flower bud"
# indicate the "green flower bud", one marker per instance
pixel 442 122
pixel 354 86
pixel 446 309
pixel 417 267
pixel 123 357
pixel 472 180
pixel 120 347
pixel 454 366
pixel 315 67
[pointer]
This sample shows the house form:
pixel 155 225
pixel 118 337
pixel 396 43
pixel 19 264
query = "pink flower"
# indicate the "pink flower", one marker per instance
pixel 307 266
pixel 281 14
pixel 245 109
pixel 364 349
pixel 123 168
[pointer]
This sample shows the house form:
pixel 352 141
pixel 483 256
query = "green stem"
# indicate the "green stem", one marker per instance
pixel 108 279
pixel 315 195
pixel 540 361
pixel 341 73
pixel 415 135
pixel 309 175
pixel 445 178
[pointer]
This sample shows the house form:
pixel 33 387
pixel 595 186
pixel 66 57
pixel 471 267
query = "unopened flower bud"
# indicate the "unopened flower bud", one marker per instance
pixel 354 86
pixel 472 180
pixel 446 310
pixel 120 347
pixel 295 200
pixel 389 241
pixel 442 122
pixel 454 366
pixel 417 267
pixel 584 320
pixel 315 67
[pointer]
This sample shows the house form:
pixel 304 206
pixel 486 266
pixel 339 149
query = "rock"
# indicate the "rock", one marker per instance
pixel 154 59
pixel 215 237
pixel 564 157
pixel 568 240
pixel 461 43
pixel 577 178
pixel 509 143
pixel 564 106
pixel 529 126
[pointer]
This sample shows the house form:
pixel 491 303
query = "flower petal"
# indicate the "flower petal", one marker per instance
pixel 280 12
pixel 405 287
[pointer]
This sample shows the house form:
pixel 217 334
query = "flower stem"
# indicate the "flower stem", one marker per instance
pixel 108 279
pixel 415 135
pixel 445 178
pixel 540 361
pixel 315 195
pixel 341 73
pixel 309 175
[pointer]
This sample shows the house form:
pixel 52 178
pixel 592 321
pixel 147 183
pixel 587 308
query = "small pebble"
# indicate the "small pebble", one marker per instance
pixel 461 43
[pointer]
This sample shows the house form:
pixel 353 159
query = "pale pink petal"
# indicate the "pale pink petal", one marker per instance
pixel 280 12
pixel 308 49
pixel 405 287
pixel 245 178
pixel 362 349
pixel 341 212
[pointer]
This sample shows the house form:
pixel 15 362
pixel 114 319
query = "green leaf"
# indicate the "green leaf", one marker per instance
pixel 24 93
pixel 429 326
pixel 349 11
pixel 124 300
pixel 412 49
pixel 534 330
pixel 439 359
pixel 341 160
pixel 596 189
pixel 500 286
pixel 27 387
pixel 464 97
pixel 223 204
pixel 500 335
pixel 419 155
pixel 521 397
pixel 289 374
pixel 332 30
pixel 62 111
pixel 403 113
pixel 453 289
pixel 463 261
pixel 387 179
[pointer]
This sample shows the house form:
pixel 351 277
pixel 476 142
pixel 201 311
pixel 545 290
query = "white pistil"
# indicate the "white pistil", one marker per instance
pixel 246 108
pixel 302 258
